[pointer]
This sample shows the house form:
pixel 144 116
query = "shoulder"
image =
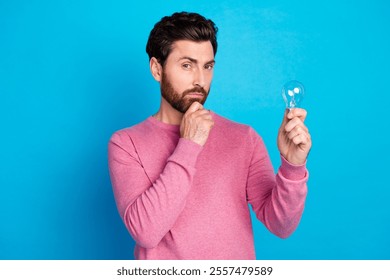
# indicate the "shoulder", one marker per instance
pixel 125 135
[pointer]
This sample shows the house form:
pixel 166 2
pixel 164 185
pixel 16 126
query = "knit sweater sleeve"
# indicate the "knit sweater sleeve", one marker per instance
pixel 150 209
pixel 278 201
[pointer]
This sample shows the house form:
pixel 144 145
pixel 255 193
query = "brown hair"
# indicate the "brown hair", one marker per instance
pixel 179 26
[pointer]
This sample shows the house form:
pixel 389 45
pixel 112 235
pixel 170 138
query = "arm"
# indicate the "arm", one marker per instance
pixel 149 209
pixel 277 201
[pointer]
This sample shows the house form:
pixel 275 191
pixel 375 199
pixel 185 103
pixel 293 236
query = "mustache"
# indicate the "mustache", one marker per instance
pixel 195 90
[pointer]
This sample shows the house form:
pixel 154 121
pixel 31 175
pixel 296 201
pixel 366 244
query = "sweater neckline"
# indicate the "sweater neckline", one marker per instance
pixel 167 126
pixel 164 126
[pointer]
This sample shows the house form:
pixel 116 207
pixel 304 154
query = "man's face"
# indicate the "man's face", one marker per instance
pixel 187 74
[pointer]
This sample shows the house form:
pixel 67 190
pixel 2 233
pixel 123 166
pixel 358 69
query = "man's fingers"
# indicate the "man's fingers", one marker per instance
pixel 194 107
pixel 294 123
pixel 196 124
pixel 295 131
pixel 298 132
pixel 294 140
pixel 297 113
pixel 201 113
pixel 301 139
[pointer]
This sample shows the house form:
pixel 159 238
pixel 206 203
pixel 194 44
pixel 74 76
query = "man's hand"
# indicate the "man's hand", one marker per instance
pixel 196 124
pixel 294 141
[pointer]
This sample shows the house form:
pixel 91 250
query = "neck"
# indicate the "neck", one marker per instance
pixel 167 114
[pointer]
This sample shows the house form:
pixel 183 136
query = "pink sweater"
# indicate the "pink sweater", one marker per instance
pixel 180 200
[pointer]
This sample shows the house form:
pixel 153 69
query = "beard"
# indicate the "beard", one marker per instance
pixel 179 101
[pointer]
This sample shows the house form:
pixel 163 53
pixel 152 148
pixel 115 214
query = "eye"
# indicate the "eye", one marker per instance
pixel 186 65
pixel 209 66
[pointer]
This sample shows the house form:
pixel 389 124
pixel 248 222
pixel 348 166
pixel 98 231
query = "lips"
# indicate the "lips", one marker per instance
pixel 195 95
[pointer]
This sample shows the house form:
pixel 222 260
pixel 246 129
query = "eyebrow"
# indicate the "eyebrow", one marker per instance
pixel 195 60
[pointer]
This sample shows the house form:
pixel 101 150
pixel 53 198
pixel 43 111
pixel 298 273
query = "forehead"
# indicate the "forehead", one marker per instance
pixel 202 51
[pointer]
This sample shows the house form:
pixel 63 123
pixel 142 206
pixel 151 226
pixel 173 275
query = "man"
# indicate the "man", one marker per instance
pixel 183 178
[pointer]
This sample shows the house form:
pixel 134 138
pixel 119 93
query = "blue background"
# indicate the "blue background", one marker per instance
pixel 73 72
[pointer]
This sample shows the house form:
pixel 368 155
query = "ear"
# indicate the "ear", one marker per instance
pixel 156 69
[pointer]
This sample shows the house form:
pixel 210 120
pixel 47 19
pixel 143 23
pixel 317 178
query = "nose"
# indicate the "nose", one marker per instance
pixel 199 78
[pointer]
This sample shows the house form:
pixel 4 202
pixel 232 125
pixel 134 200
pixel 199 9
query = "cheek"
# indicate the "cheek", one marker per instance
pixel 181 81
pixel 209 79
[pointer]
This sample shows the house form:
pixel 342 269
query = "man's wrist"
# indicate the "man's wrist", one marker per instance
pixel 292 171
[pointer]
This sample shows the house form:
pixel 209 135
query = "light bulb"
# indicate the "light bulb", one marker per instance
pixel 293 92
